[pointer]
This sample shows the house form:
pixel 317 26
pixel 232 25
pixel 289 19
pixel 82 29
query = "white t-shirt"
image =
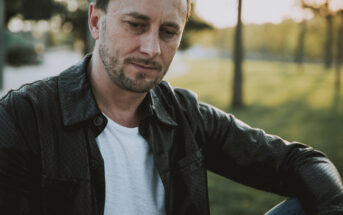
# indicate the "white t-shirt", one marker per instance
pixel 133 185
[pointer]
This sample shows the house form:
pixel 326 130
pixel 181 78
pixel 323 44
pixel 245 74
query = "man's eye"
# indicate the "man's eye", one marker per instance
pixel 136 27
pixel 168 34
pixel 136 24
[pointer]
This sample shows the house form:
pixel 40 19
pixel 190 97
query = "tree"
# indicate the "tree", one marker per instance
pixel 2 40
pixel 31 9
pixel 194 24
pixel 299 55
pixel 45 9
pixel 79 20
pixel 328 45
pixel 339 59
pixel 237 100
pixel 300 48
pixel 324 11
pixel 12 7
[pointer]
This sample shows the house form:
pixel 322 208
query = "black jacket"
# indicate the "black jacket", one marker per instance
pixel 50 163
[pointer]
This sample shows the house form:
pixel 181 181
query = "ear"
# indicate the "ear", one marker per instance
pixel 94 17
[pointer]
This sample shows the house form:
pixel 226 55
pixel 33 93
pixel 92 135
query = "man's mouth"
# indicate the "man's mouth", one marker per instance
pixel 145 66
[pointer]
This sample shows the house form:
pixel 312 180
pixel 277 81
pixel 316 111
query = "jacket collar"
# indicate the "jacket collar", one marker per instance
pixel 159 109
pixel 78 103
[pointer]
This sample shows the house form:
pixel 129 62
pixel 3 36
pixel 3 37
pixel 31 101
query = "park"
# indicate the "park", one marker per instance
pixel 282 77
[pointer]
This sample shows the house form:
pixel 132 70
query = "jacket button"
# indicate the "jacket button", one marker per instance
pixel 98 121
pixel 93 164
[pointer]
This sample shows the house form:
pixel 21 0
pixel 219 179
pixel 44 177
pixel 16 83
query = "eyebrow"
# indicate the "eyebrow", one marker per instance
pixel 146 18
pixel 138 16
pixel 171 24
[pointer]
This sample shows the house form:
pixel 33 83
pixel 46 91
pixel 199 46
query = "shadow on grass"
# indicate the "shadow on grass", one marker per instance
pixel 297 120
pixel 321 129
pixel 294 119
pixel 336 102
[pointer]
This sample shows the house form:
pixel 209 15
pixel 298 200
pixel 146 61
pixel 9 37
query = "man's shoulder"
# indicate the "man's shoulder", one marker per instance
pixel 39 94
pixel 32 91
pixel 184 99
pixel 177 94
pixel 42 91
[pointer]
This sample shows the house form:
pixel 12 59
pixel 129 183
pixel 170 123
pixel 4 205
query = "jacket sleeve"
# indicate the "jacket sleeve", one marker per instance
pixel 254 158
pixel 15 170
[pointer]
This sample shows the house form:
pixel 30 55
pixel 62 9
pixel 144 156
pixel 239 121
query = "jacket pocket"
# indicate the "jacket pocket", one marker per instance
pixel 190 185
pixel 58 196
pixel 190 163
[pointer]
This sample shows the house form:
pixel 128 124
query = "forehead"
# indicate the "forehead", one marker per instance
pixel 165 10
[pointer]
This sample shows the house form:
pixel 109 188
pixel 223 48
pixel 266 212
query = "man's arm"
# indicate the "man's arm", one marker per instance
pixel 15 170
pixel 252 157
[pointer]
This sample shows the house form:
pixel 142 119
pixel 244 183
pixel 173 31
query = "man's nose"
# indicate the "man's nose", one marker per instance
pixel 150 44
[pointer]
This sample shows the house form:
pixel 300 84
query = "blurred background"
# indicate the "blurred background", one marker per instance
pixel 275 64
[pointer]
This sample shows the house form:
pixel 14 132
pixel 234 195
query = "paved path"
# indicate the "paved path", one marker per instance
pixel 54 62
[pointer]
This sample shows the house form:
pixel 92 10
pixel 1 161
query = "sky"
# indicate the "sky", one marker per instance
pixel 223 13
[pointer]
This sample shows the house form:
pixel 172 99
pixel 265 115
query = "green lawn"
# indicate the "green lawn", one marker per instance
pixel 282 100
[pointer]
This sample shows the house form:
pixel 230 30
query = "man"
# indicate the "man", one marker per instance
pixel 106 136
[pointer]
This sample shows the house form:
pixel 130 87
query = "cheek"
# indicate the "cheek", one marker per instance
pixel 121 45
pixel 127 44
pixel 172 45
pixel 169 51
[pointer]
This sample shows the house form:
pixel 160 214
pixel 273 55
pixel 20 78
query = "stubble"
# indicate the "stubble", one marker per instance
pixel 115 69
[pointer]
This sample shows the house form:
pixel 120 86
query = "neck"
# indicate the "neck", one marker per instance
pixel 120 105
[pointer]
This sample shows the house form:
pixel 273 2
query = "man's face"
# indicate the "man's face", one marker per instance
pixel 138 40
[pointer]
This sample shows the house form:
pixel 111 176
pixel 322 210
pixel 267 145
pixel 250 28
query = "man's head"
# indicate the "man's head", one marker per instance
pixel 136 40
pixel 102 4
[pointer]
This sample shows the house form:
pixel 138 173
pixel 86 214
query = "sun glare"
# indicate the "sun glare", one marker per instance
pixel 336 5
pixel 223 13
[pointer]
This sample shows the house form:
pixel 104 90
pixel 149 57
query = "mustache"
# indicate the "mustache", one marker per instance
pixel 146 62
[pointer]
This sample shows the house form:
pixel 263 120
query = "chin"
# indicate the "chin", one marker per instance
pixel 139 86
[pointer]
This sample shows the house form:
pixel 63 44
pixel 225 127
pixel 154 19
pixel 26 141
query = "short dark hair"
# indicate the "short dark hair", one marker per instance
pixel 102 4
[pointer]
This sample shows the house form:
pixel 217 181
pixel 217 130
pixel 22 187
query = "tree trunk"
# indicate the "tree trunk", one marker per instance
pixel 237 101
pixel 299 54
pixel 339 60
pixel 328 46
pixel 2 41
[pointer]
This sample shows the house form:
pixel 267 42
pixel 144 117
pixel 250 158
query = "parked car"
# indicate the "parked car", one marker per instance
pixel 20 49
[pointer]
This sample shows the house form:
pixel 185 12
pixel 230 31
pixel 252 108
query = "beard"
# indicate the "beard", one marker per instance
pixel 114 68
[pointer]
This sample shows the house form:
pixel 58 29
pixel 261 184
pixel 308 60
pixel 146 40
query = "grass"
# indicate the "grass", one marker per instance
pixel 280 98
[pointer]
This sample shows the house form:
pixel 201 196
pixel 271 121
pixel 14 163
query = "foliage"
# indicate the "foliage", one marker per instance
pixel 269 40
pixel 297 105
pixel 259 38
pixel 12 8
pixel 194 24
pixel 31 9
